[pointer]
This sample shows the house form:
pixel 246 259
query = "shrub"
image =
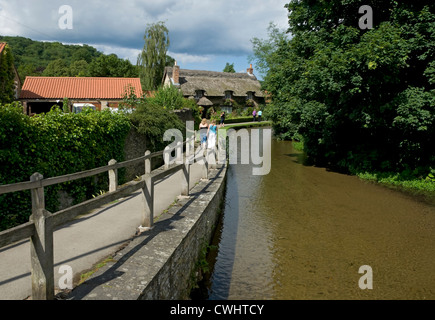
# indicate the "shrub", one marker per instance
pixel 55 144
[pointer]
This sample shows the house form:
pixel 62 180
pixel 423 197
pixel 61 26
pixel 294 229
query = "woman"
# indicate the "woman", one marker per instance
pixel 211 140
pixel 212 129
pixel 203 128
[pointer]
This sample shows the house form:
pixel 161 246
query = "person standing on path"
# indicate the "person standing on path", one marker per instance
pixel 211 142
pixel 222 119
pixel 260 113
pixel 203 131
pixel 254 114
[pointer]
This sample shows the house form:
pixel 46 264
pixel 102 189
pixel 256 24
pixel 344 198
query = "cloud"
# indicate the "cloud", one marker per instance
pixel 185 58
pixel 198 29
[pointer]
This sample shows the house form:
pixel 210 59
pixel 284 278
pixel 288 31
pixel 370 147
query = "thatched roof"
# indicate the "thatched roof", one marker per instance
pixel 204 102
pixel 216 83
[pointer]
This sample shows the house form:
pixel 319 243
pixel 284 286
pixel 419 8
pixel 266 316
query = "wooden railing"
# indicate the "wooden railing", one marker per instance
pixel 42 223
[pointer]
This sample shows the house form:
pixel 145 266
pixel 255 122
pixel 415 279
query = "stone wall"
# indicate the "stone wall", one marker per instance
pixel 178 274
pixel 184 115
pixel 161 264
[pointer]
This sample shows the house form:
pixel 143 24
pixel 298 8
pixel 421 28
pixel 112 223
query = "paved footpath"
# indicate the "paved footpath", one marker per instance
pixel 89 239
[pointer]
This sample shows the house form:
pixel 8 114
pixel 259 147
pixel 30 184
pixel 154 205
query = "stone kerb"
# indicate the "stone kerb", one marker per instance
pixel 160 263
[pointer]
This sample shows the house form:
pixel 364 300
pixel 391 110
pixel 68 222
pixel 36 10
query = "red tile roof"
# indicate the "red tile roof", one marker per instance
pixel 78 88
pixel 2 46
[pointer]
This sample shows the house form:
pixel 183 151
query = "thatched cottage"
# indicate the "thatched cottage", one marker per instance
pixel 216 89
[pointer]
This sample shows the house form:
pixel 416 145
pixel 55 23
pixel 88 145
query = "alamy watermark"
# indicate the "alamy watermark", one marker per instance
pixel 255 148
pixel 66 280
pixel 366 21
pixel 366 281
pixel 66 20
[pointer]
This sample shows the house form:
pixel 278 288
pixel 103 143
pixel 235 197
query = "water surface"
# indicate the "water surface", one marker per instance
pixel 302 232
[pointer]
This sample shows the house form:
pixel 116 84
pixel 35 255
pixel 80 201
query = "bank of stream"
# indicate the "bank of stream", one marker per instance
pixel 303 232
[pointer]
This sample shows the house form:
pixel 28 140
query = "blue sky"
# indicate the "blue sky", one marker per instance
pixel 204 34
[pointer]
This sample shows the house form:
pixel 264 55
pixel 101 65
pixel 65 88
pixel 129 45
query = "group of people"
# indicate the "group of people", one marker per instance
pixel 208 131
pixel 255 114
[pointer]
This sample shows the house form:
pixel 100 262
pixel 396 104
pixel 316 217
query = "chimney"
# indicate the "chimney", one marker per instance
pixel 250 70
pixel 176 73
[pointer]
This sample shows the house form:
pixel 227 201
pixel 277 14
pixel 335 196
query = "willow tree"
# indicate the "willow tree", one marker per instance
pixel 152 60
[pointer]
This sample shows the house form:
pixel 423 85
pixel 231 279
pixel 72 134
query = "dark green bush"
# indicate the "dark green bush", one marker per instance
pixel 55 144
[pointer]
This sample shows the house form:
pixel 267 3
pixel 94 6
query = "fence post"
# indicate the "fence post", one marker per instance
pixel 41 246
pixel 148 196
pixel 147 163
pixel 205 166
pixel 185 180
pixel 166 157
pixel 113 177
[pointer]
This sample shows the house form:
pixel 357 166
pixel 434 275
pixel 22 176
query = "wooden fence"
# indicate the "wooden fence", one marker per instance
pixel 42 223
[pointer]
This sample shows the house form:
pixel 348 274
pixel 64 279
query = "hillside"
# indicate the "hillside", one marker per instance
pixel 36 58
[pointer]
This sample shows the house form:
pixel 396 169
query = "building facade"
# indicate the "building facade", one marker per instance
pixel 39 94
pixel 223 90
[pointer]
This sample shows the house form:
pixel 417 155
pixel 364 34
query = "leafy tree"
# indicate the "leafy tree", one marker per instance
pixel 152 120
pixel 152 60
pixel 359 99
pixel 7 76
pixel 264 49
pixel 229 68
pixel 169 61
pixel 56 68
pixel 111 66
pixel 25 70
pixel 79 68
pixel 169 98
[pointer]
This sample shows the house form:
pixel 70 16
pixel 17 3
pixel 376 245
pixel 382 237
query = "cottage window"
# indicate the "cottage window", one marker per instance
pixel 228 94
pixel 199 94
pixel 250 95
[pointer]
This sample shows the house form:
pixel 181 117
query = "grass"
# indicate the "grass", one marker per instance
pixel 98 266
pixel 395 179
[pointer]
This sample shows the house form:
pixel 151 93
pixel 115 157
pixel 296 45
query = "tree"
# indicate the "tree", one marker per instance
pixel 264 49
pixel 360 99
pixel 112 66
pixel 56 68
pixel 152 60
pixel 79 68
pixel 229 68
pixel 7 76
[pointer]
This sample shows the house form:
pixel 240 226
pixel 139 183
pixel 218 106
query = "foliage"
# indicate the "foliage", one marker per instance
pixel 264 49
pixel 7 76
pixel 55 144
pixel 152 120
pixel 360 100
pixel 152 60
pixel 32 57
pixel 401 180
pixel 35 58
pixel 169 97
pixel 112 66
pixel 229 68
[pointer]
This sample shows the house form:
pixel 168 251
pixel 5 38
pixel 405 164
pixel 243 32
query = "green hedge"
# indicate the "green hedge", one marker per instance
pixel 238 120
pixel 55 144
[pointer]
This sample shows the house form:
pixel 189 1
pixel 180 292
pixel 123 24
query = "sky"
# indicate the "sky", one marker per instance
pixel 204 34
